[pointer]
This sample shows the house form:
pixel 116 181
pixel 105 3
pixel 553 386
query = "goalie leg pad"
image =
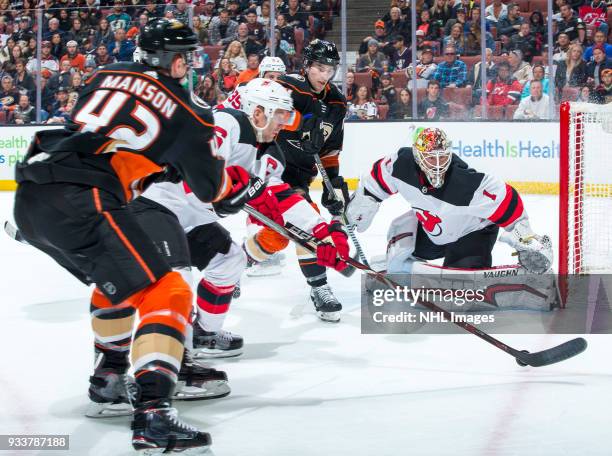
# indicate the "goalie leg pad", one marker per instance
pixel 401 241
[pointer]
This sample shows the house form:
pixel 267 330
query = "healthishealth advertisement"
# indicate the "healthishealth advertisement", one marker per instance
pixel 14 142
pixel 526 152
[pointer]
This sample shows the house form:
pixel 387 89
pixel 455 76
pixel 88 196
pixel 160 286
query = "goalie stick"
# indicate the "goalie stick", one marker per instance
pixel 349 228
pixel 552 355
pixel 13 232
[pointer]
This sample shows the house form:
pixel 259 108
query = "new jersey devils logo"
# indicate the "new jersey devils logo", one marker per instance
pixel 429 221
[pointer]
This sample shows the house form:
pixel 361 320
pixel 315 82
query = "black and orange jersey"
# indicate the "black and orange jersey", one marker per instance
pixel 330 106
pixel 130 121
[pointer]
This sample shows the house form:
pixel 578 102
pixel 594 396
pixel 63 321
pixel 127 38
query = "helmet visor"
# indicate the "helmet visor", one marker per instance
pixel 284 117
pixel 328 71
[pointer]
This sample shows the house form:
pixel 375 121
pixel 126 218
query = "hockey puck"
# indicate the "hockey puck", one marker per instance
pixel 521 363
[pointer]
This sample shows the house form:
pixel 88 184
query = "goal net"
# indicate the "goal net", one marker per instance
pixel 585 179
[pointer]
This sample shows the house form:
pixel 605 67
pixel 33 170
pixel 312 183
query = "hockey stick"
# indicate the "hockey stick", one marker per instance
pixel 552 355
pixel 13 232
pixel 350 228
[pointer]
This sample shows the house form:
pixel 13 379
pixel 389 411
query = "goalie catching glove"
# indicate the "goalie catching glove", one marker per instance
pixel 334 248
pixel 361 209
pixel 251 190
pixel 534 252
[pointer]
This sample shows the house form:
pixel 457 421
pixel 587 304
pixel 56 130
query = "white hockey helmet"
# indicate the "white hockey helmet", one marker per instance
pixel 432 152
pixel 272 97
pixel 271 64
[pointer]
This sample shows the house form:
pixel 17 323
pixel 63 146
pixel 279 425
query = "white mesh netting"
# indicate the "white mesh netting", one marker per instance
pixel 589 191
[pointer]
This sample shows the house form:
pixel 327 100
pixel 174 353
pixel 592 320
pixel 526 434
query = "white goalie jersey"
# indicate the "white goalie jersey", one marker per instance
pixel 237 144
pixel 467 202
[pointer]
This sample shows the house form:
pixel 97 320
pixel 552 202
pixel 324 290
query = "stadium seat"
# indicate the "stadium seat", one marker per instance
pixel 470 60
pixel 459 95
pixel 538 5
pixel 510 111
pixel 457 111
pixel 493 31
pixel 493 112
pixel 539 60
pixel 299 40
pixel 213 52
pixel 570 93
pixel 421 94
pixel 399 78
pixel 523 6
pixel 363 79
pixel 383 110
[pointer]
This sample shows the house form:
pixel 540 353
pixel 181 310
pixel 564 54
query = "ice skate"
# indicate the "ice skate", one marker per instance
pixel 327 306
pixel 270 267
pixel 157 429
pixel 111 394
pixel 220 344
pixel 197 382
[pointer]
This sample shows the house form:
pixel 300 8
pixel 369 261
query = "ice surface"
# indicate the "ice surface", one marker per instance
pixel 304 387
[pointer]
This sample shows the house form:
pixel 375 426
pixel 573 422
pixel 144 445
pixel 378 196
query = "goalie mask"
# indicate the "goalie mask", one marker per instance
pixel 273 99
pixel 432 152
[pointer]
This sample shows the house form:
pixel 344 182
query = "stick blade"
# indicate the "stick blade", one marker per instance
pixel 554 355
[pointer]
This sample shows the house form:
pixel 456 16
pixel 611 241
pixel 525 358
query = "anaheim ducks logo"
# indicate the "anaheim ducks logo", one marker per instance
pixel 327 130
pixel 430 222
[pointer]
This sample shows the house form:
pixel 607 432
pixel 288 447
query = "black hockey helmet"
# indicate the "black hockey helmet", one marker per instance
pixel 321 51
pixel 161 39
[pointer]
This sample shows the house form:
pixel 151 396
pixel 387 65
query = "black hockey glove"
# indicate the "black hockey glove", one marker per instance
pixel 168 174
pixel 313 136
pixel 335 203
pixel 244 188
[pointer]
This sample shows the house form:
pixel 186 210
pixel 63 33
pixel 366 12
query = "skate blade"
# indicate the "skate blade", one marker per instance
pixel 104 410
pixel 211 353
pixel 263 272
pixel 206 450
pixel 329 317
pixel 214 389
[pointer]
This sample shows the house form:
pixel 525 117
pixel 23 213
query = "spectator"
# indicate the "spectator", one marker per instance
pixel 222 29
pixel 226 76
pixel 425 69
pixel 372 62
pixel 121 48
pixel 287 33
pixel 233 9
pixel 538 29
pixel 596 67
pixel 53 28
pixel 585 96
pixel 16 54
pixel 562 48
pixel 538 75
pixel 296 16
pixel 90 14
pixel 179 11
pixel 535 106
pixel 388 95
pixel 251 71
pixel 503 90
pixel 460 19
pixel 64 21
pixel 76 82
pixel 456 39
pixel 76 59
pixel 433 107
pixel 24 29
pixel 440 13
pixel 467 5
pixel 511 24
pixel 235 53
pixel 256 30
pixel 207 15
pixel 9 95
pixel 351 87
pixel 379 35
pixel 201 61
pixel 248 43
pixel 521 70
pixel 472 43
pixel 401 57
pixel 24 113
pixel 568 22
pixel 599 38
pixel 603 92
pixel 207 90
pixel 362 107
pixel 403 108
pixel 475 78
pixel 23 80
pixel 119 19
pixel 279 52
pixel 496 12
pixel 78 33
pixel 582 39
pixel 104 34
pixel 61 79
pixel 153 9
pixel 430 28
pixel 572 71
pixel 102 57
pixel 263 14
pixel 47 61
pixel 594 14
pixel 395 25
pixel 452 72
pixel 524 41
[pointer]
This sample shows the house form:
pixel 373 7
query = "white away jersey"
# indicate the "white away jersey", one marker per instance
pixel 468 200
pixel 237 144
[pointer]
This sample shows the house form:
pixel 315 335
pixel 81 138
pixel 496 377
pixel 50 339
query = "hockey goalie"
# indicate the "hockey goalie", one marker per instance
pixel 455 214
